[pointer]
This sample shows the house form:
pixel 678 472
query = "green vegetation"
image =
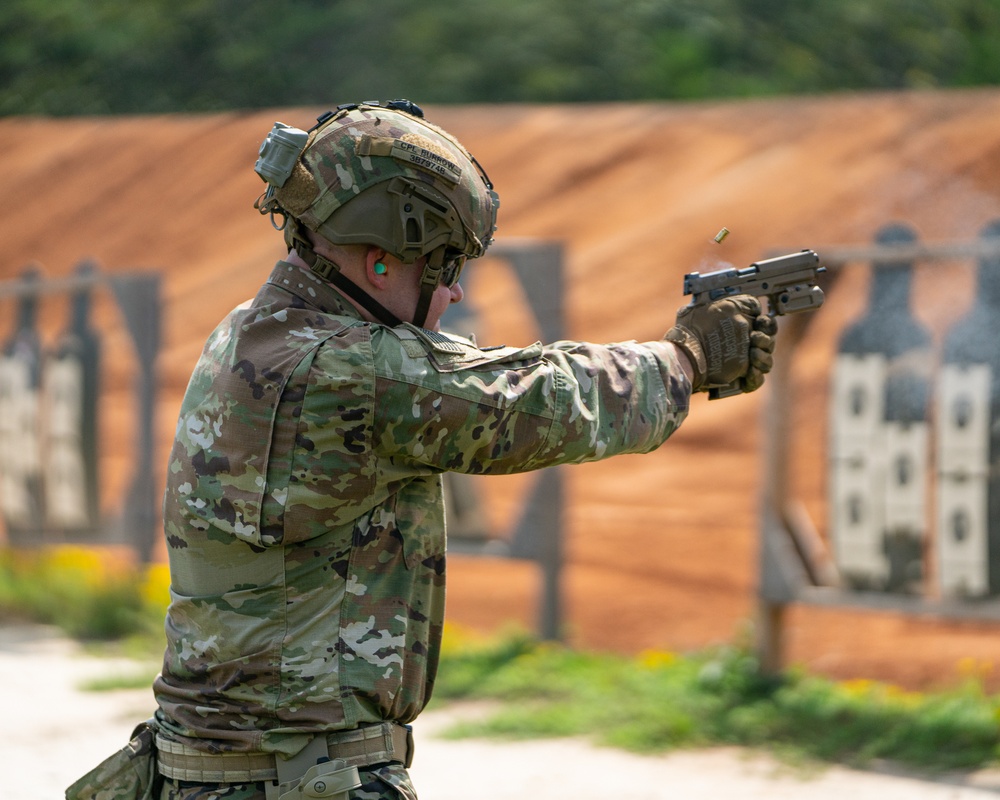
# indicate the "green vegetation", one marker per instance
pixel 139 678
pixel 90 595
pixel 116 56
pixel 650 703
pixel 660 701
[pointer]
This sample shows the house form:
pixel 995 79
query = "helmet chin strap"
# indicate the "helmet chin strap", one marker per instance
pixel 430 279
pixel 329 271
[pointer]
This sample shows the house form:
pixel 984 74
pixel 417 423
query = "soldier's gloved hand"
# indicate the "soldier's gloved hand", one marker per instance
pixel 718 339
pixel 761 349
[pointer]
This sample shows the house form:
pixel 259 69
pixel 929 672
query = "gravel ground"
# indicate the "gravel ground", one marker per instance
pixel 52 732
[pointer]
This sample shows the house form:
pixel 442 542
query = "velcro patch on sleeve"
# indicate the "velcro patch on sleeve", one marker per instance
pixel 441 342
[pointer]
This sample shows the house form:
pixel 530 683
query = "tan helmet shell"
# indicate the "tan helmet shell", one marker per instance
pixel 377 175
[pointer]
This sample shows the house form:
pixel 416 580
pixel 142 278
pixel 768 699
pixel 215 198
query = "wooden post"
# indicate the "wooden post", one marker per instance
pixel 780 570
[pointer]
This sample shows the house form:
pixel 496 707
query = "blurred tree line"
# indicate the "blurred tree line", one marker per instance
pixel 140 56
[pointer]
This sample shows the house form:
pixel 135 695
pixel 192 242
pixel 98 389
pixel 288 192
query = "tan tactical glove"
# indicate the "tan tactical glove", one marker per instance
pixel 761 349
pixel 726 341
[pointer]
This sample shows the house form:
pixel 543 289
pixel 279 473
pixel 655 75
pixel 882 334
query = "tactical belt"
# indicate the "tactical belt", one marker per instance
pixel 360 747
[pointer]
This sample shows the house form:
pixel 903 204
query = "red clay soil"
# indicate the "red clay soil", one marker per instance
pixel 661 550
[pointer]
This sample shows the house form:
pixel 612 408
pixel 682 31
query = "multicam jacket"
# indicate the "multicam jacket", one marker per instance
pixel 303 510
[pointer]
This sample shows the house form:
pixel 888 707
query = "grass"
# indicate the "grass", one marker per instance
pixel 650 703
pixel 660 701
pixel 141 678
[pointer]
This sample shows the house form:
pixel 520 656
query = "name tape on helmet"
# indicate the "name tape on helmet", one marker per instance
pixel 411 153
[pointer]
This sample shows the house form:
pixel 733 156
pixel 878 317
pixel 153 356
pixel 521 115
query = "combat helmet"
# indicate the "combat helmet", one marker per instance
pixel 374 173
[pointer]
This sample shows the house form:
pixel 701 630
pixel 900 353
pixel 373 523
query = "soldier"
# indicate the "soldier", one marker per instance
pixel 303 509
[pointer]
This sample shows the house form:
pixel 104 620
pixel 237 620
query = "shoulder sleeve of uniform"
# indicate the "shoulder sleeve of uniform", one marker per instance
pixel 447 352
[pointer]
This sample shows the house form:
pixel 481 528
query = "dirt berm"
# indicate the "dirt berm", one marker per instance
pixel 661 550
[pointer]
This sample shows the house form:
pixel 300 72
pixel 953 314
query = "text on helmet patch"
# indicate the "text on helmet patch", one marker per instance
pixel 412 153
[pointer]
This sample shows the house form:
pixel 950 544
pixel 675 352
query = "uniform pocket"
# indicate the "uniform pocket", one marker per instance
pixel 420 519
pixel 130 774
pixel 392 782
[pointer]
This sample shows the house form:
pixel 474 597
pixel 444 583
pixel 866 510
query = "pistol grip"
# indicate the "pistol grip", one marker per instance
pixel 716 392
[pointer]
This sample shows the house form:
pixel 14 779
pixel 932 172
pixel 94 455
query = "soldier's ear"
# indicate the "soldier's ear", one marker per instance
pixel 376 269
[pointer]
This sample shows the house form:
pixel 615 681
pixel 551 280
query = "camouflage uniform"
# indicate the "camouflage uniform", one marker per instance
pixel 304 514
pixel 382 783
